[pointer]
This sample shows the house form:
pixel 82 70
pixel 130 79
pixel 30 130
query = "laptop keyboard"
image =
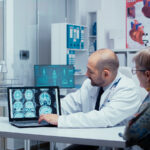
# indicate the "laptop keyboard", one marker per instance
pixel 29 123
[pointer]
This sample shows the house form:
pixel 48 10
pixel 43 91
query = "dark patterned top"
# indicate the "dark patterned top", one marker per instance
pixel 137 131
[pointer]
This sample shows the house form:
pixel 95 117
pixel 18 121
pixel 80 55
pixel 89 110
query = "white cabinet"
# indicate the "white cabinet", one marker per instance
pixel 92 31
pixel 125 56
pixel 95 30
pixel 97 40
pixel 69 46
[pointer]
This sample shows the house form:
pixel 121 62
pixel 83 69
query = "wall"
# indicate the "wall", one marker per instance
pixel 72 12
pixel 49 11
pixel 86 6
pixel 28 27
pixel 112 20
pixel 9 37
pixel 1 33
pixel 77 10
pixel 25 25
pixel 1 29
pixel 30 30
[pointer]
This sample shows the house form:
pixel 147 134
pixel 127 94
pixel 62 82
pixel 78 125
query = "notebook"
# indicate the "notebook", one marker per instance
pixel 26 104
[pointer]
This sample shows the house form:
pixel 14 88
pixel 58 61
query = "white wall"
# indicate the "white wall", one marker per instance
pixel 28 25
pixel 83 7
pixel 112 19
pixel 9 37
pixel 25 39
pixel 21 27
pixel 1 29
pixel 49 11
pixel 1 33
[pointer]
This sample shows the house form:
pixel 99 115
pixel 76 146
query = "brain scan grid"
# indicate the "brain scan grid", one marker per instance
pixel 31 103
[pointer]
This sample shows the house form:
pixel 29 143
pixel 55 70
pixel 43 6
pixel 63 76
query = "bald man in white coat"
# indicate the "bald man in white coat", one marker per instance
pixel 119 101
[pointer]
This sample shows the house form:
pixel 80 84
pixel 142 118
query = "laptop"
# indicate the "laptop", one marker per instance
pixel 26 104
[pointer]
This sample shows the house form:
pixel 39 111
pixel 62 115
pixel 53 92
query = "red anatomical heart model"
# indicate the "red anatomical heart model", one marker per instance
pixel 136 32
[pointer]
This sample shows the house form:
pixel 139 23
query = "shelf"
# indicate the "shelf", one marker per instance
pixel 79 74
pixel 92 36
pixel 77 50
pixel 132 50
pixel 92 31
pixel 125 50
pixel 70 47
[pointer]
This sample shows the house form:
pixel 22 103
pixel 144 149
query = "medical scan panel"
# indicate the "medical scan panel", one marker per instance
pixel 23 103
pixel 29 94
pixel 30 115
pixel 18 115
pixel 29 106
pixel 32 102
pixel 45 110
pixel 47 101
pixel 17 95
pixel 18 106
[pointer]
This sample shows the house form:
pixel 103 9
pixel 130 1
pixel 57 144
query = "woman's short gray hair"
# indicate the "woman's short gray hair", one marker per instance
pixel 142 58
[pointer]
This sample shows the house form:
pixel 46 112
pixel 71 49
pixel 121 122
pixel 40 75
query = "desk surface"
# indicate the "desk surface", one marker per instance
pixel 88 136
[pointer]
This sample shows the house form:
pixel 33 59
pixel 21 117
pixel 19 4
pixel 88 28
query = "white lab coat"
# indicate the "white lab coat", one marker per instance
pixel 119 103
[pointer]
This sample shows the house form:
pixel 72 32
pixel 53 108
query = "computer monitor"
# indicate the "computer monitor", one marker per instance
pixel 54 75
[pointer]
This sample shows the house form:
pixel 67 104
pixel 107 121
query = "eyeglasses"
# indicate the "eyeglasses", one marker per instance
pixel 134 70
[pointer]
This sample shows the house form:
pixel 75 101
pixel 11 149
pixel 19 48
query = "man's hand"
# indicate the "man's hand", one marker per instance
pixel 50 118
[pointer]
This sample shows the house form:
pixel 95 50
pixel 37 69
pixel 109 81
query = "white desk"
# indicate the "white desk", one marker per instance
pixel 88 136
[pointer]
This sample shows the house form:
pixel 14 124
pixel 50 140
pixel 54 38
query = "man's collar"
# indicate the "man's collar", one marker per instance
pixel 113 82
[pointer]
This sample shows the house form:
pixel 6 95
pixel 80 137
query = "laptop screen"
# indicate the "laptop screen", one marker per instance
pixel 31 102
pixel 54 75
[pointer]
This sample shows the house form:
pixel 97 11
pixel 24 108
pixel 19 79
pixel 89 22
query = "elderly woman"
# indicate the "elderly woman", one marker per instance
pixel 138 130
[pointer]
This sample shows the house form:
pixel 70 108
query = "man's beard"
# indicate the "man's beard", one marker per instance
pixel 100 84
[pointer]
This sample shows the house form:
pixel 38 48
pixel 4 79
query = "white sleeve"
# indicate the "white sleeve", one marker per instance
pixel 122 105
pixel 73 102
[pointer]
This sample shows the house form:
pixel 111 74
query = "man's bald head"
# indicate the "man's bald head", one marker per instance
pixel 105 59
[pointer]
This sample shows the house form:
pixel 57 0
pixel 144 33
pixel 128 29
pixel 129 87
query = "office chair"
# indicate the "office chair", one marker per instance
pixel 126 71
pixel 145 142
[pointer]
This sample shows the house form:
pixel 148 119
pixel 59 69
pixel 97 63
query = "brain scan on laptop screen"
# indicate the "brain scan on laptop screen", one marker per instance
pixel 54 75
pixel 32 102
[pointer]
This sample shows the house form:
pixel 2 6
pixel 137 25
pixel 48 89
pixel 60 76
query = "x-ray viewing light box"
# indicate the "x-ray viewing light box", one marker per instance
pixel 54 75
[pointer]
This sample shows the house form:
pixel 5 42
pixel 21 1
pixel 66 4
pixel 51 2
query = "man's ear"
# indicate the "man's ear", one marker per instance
pixel 106 73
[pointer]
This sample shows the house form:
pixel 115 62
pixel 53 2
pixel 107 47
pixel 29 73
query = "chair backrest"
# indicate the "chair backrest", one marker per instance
pixel 127 72
pixel 145 142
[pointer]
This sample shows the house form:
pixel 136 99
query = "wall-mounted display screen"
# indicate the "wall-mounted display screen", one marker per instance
pixel 54 75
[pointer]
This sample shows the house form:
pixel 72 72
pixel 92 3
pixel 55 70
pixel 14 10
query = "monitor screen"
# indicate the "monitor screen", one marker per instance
pixel 31 102
pixel 54 75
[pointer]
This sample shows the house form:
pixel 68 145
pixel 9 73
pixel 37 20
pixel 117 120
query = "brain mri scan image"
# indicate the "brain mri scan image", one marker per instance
pixel 29 106
pixel 19 115
pixel 44 99
pixel 45 110
pixel 18 106
pixel 17 95
pixel 30 102
pixel 30 114
pixel 28 94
